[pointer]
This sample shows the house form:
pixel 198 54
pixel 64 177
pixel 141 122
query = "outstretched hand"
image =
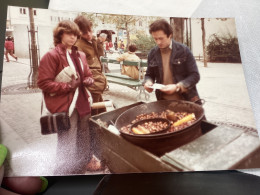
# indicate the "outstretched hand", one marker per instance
pixel 148 85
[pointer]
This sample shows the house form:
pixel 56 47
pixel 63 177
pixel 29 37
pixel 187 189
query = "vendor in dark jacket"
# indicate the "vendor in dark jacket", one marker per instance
pixel 171 64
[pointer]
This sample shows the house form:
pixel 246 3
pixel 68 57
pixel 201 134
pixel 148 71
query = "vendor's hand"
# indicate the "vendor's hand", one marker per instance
pixel 88 81
pixel 19 185
pixel 74 83
pixel 148 85
pixel 169 89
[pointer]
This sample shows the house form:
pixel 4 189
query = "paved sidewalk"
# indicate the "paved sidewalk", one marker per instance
pixel 222 85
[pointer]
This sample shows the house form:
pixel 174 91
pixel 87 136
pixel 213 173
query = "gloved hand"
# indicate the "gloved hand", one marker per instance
pixel 88 81
pixel 19 185
pixel 74 83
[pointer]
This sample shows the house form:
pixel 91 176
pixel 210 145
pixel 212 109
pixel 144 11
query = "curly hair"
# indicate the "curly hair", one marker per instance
pixel 163 25
pixel 65 26
pixel 83 23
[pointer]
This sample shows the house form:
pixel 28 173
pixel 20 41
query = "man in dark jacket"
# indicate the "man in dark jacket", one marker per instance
pixel 171 64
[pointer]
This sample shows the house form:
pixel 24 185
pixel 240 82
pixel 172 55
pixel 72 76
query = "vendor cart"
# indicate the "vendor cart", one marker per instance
pixel 215 147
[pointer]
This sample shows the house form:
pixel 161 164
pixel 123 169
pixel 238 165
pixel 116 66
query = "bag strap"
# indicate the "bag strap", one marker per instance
pixel 43 105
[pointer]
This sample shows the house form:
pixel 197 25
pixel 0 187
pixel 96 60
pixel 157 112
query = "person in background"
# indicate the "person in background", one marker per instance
pixel 110 44
pixel 172 64
pixel 73 148
pixel 100 45
pixel 9 48
pixel 122 47
pixel 107 46
pixel 119 45
pixel 88 45
pixel 131 71
pixel 115 44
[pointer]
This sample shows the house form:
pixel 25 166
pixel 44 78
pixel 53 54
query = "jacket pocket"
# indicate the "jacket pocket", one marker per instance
pixel 100 82
pixel 179 61
pixel 179 65
pixel 154 69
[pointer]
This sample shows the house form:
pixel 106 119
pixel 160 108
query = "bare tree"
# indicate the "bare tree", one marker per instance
pixel 95 18
pixel 124 22
pixel 34 52
pixel 178 29
pixel 204 42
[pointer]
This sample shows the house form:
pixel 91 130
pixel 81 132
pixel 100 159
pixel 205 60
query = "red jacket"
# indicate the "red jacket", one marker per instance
pixel 9 45
pixel 110 44
pixel 107 46
pixel 51 64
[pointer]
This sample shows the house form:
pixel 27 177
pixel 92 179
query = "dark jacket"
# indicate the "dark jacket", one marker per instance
pixel 100 48
pixel 183 66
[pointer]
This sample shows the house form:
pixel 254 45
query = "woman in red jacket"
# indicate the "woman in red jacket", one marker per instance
pixel 63 76
pixel 9 48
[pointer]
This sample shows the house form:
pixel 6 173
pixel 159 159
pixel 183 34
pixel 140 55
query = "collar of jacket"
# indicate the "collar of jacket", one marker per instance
pixel 62 49
pixel 93 40
pixel 173 48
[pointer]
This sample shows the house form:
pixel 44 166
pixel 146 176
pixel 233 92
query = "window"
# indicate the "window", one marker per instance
pixel 23 11
pixel 59 19
pixel 140 23
pixel 51 18
pixel 34 12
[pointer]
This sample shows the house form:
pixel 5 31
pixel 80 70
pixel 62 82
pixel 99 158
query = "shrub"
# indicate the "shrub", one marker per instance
pixel 144 44
pixel 223 49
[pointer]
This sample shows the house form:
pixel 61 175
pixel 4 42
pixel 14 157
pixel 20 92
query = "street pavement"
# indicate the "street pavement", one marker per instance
pixel 222 86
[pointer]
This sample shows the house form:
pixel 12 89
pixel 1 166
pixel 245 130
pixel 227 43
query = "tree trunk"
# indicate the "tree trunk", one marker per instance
pixel 178 28
pixel 34 55
pixel 204 43
pixel 127 35
pixel 190 36
pixel 187 33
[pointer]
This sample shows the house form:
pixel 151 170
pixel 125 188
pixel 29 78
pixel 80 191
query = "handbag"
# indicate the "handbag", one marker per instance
pixel 52 123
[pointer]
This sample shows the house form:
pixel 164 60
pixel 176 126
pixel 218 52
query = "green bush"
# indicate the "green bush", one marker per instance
pixel 223 48
pixel 144 44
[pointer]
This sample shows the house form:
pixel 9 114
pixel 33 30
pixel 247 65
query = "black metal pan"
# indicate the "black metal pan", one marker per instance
pixel 161 143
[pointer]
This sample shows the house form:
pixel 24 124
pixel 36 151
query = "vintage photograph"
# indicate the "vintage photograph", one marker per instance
pixel 95 93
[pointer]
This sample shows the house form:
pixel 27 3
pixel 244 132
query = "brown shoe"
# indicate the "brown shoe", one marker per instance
pixel 94 164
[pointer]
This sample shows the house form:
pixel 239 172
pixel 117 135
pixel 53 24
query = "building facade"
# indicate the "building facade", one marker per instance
pixel 18 24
